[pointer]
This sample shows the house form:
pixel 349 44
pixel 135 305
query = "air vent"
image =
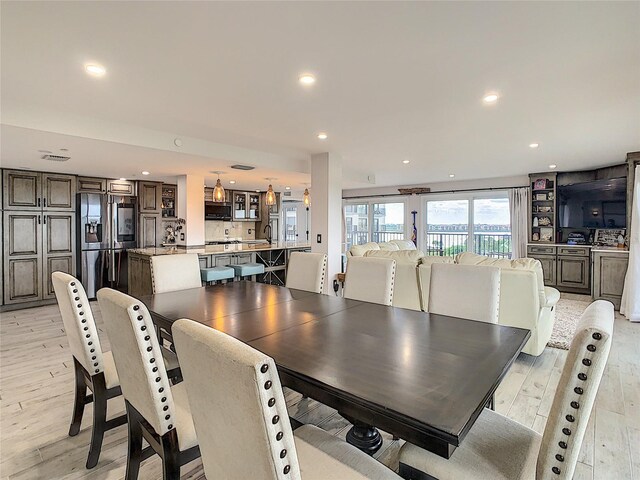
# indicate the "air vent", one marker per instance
pixel 287 194
pixel 55 158
pixel 242 167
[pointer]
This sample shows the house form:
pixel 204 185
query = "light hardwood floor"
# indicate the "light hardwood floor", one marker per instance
pixel 36 385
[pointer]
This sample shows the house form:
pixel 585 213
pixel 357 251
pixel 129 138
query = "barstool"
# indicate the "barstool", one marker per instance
pixel 248 269
pixel 214 274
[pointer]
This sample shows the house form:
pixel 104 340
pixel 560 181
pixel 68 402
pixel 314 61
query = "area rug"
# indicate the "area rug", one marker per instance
pixel 568 312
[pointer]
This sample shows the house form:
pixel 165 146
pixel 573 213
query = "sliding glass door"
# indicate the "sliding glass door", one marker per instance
pixel 468 223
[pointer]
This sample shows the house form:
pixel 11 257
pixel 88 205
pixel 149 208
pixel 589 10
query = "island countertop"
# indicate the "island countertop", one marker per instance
pixel 219 249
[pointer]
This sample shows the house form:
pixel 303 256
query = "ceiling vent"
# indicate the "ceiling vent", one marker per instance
pixel 55 158
pixel 242 167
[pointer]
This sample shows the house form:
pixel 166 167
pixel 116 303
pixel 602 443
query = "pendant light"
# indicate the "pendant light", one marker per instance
pixel 270 197
pixel 218 191
pixel 306 197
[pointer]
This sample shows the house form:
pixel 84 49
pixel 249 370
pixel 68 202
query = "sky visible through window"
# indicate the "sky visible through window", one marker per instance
pixel 492 211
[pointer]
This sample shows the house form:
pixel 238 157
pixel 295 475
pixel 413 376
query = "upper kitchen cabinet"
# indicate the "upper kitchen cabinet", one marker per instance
pixel 150 197
pixel 246 206
pixel 58 192
pixel 24 190
pixel 121 187
pixel 92 185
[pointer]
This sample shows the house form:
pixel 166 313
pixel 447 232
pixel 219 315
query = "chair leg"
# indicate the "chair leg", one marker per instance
pixel 80 398
pixel 170 456
pixel 99 418
pixel 134 454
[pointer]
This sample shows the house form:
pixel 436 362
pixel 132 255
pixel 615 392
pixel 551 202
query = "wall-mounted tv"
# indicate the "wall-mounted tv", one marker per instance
pixel 596 204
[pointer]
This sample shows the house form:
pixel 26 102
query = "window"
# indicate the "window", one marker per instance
pixel 357 224
pixel 479 224
pixel 374 222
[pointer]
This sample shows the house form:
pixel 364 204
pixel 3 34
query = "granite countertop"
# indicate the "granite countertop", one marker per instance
pixel 219 249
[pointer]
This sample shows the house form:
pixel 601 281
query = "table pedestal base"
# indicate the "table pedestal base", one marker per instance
pixel 366 437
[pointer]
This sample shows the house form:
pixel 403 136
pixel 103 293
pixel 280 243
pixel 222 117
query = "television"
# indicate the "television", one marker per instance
pixel 595 204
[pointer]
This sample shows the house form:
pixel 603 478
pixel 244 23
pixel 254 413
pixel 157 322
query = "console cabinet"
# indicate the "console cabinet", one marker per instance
pixel 564 267
pixel 609 269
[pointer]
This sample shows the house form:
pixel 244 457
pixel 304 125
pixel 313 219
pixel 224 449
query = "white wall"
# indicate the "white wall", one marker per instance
pixel 326 189
pixel 191 208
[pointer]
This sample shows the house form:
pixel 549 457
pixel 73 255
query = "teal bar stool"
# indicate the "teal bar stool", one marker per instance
pixel 248 269
pixel 215 274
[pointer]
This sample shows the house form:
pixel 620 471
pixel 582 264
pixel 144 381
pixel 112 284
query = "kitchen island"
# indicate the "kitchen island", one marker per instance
pixel 274 257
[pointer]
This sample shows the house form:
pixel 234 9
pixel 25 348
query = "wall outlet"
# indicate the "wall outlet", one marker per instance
pixel 182 237
pixel 319 238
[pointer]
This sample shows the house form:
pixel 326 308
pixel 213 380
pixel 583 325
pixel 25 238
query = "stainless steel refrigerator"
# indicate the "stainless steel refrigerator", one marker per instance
pixel 106 228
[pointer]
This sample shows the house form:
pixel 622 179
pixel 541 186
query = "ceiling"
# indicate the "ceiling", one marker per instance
pixel 395 81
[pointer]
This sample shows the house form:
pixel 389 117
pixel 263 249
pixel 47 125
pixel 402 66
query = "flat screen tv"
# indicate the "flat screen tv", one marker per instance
pixel 596 204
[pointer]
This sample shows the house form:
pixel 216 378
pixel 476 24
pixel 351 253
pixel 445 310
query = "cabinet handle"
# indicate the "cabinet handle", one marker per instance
pixel 44 218
pixel 44 202
pixel 38 201
pixel 38 219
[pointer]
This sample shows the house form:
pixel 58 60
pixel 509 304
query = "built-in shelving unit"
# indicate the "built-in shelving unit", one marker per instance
pixel 169 201
pixel 542 210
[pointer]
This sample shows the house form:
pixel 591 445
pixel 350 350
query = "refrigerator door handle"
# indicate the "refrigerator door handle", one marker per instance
pixel 112 266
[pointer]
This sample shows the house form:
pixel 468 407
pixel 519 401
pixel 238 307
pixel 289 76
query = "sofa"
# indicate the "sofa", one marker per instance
pixel 390 246
pixel 525 302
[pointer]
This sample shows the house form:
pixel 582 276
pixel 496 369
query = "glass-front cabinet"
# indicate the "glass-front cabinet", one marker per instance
pixel 246 206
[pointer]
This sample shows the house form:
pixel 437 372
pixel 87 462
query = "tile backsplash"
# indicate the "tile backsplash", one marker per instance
pixel 216 230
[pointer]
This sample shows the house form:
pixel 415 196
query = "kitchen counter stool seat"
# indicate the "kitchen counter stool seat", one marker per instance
pixel 248 269
pixel 214 274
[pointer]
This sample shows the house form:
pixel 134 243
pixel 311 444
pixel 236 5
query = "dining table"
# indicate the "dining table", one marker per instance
pixel 419 376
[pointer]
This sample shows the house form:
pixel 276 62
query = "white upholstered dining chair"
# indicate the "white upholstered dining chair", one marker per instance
pixel 156 410
pixel 170 273
pixel 94 369
pixel 370 279
pixel 465 291
pixel 306 271
pixel 498 448
pixel 241 417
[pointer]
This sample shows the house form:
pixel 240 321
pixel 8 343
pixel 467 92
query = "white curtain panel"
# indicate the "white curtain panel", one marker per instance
pixel 519 210
pixel 630 306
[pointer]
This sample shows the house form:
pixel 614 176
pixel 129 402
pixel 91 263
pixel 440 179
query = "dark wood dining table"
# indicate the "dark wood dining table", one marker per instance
pixel 422 377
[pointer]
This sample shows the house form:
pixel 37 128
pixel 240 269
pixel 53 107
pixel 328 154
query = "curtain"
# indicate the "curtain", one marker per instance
pixel 630 306
pixel 518 211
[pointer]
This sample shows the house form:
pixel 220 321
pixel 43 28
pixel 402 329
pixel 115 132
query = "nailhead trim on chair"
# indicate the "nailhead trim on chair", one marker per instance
pixel 393 277
pixel 575 404
pixel 139 316
pixel 324 272
pixel 90 360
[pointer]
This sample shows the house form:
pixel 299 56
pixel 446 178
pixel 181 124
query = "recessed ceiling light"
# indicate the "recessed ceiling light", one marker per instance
pixel 405 161
pixel 451 175
pixel 490 98
pixel 307 79
pixel 145 173
pixel 287 188
pixel 122 178
pixel 322 136
pixel 232 182
pixel 257 191
pixel 552 166
pixel 534 145
pixel 95 70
